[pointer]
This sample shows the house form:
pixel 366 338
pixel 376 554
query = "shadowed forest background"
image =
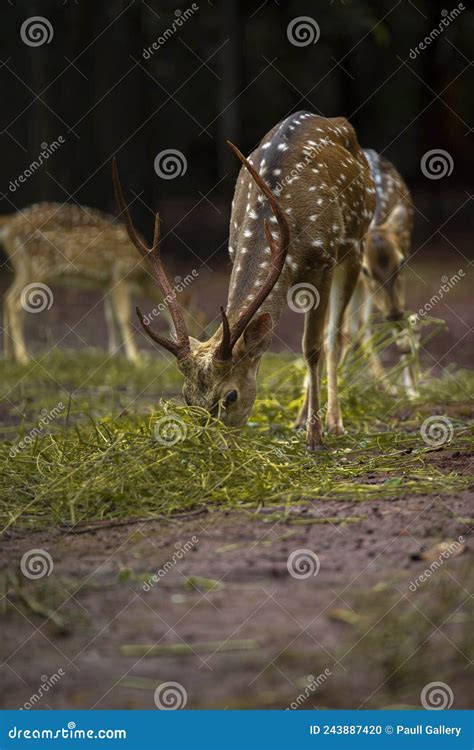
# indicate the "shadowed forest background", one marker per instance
pixel 229 72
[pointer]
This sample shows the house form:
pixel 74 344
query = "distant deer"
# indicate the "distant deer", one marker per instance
pixel 303 202
pixel 387 248
pixel 75 246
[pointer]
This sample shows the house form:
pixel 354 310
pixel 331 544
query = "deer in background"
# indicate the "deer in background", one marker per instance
pixel 303 202
pixel 79 247
pixel 387 248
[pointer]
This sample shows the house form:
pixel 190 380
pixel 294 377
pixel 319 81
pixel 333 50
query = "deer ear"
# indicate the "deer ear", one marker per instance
pixel 258 335
pixel 397 218
pixel 193 343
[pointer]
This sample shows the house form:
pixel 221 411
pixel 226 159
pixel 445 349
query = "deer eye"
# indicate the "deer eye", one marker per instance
pixel 366 272
pixel 231 397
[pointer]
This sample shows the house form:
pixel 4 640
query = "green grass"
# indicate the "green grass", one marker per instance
pixel 104 455
pixel 96 384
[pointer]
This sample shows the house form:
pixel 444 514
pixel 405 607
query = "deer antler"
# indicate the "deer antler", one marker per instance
pixel 279 250
pixel 180 348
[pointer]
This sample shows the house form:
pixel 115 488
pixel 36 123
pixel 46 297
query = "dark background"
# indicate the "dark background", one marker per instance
pixel 228 72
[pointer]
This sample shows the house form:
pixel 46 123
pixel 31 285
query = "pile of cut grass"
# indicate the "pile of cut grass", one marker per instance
pixel 116 452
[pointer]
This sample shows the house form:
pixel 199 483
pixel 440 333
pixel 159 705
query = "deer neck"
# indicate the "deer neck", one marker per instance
pixel 251 264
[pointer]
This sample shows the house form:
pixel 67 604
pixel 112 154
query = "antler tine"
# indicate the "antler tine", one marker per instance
pixel 168 344
pixel 180 348
pixel 279 252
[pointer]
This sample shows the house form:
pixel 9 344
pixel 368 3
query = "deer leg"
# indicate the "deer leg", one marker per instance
pixel 313 345
pixel 122 304
pixel 374 360
pixel 14 318
pixel 302 417
pixel 410 368
pixel 345 278
pixel 375 364
pixel 7 342
pixel 353 318
pixel 410 380
pixel 113 342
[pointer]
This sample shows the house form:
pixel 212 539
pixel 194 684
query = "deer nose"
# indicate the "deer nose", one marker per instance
pixel 395 316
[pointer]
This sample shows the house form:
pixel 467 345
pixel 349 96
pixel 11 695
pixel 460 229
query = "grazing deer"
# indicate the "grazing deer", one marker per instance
pixel 75 246
pixel 387 248
pixel 303 202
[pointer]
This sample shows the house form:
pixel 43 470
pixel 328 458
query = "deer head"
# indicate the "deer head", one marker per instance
pixel 384 261
pixel 219 374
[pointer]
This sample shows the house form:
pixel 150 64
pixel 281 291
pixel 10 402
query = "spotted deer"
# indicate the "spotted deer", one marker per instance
pixel 303 202
pixel 73 246
pixel 387 249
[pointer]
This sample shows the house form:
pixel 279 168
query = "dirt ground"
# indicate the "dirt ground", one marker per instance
pixel 363 632
pixel 379 640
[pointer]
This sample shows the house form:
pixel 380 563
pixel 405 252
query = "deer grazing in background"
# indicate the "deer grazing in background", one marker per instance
pixel 75 246
pixel 387 248
pixel 303 202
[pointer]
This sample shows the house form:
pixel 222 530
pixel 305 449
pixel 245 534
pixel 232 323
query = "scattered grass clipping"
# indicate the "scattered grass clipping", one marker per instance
pixel 119 452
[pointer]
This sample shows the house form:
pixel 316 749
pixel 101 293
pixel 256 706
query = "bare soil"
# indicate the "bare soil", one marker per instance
pixel 338 620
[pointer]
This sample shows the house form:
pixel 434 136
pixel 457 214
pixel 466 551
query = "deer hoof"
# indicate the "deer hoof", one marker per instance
pixel 336 428
pixel 316 447
pixel 314 439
